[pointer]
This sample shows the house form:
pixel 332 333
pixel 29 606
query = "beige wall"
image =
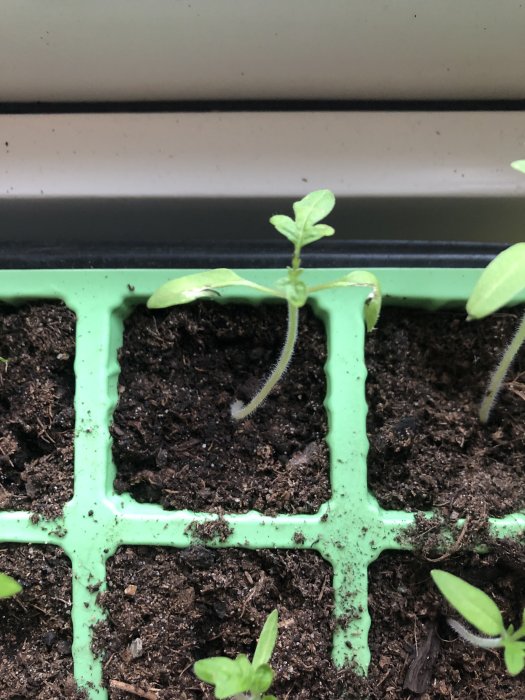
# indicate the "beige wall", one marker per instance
pixel 261 49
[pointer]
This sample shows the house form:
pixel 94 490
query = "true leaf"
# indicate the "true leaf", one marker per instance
pixel 267 640
pixel 285 225
pixel 322 230
pixel 514 657
pixel 245 671
pixel 227 675
pixel 310 234
pixel 475 605
pixel 8 586
pixel 308 211
pixel 262 679
pixel 208 670
pixel 314 207
pixel 499 282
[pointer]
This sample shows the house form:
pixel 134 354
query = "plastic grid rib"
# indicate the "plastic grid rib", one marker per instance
pixel 349 531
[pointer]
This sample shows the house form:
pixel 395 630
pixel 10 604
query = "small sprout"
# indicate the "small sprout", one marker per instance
pixel 483 613
pixel 300 231
pixel 8 586
pixel 238 678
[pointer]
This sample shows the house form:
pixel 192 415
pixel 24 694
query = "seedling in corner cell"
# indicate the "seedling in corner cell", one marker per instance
pixel 483 613
pixel 300 231
pixel 8 586
pixel 499 283
pixel 239 678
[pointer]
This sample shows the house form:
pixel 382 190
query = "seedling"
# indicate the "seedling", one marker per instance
pixel 300 231
pixel 483 613
pixel 238 678
pixel 8 586
pixel 498 284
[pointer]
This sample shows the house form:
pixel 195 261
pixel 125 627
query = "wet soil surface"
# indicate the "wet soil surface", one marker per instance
pixel 36 407
pixel 204 602
pixel 174 440
pixel 35 626
pixel 427 373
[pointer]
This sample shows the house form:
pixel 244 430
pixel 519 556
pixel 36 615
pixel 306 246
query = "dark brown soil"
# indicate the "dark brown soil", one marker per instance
pixel 36 407
pixel 174 440
pixel 203 602
pixel 35 626
pixel 409 621
pixel 427 373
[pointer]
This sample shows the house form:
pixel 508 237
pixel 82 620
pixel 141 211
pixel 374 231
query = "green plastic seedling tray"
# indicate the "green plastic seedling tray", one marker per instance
pixel 349 531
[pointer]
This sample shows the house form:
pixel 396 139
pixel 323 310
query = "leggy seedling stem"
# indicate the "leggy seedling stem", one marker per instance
pixel 499 374
pixel 239 411
pixel 302 230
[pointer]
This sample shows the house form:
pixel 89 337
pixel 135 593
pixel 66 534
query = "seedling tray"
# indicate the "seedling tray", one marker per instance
pixel 349 531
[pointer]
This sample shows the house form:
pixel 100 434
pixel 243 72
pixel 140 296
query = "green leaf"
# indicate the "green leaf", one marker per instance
pixel 310 234
pixel 201 284
pixel 514 657
pixel 285 225
pixel 267 639
pixel 314 207
pixel 268 697
pixel 8 586
pixel 520 632
pixel 208 670
pixel 499 282
pixel 262 679
pixel 475 606
pixel 228 676
pixel 322 230
pixel 244 670
pixel 518 165
pixel 362 278
pixel 308 211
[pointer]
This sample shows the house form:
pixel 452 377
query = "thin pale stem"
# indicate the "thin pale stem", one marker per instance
pixel 239 411
pixel 500 372
pixel 475 639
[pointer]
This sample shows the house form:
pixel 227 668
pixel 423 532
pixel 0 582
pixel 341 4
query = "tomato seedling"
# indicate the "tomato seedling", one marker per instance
pixel 239 678
pixel 300 231
pixel 483 613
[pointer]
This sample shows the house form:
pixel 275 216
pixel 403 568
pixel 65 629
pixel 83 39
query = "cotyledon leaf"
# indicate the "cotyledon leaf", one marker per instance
pixel 201 284
pixel 8 586
pixel 475 605
pixel 499 283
